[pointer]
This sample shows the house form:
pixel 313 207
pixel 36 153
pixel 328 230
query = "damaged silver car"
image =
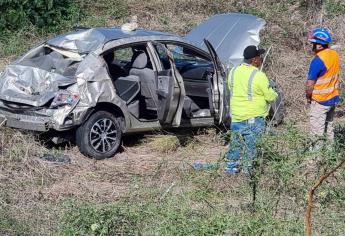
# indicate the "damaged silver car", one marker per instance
pixel 102 83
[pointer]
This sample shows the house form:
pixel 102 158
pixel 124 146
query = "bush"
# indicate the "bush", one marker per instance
pixel 41 13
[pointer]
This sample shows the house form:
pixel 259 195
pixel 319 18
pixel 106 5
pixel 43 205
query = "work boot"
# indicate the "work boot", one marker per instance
pixel 232 168
pixel 204 166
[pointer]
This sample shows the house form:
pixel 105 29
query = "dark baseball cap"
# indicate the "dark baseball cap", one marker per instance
pixel 252 51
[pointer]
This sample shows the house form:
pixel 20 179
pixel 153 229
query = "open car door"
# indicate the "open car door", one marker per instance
pixel 170 90
pixel 217 84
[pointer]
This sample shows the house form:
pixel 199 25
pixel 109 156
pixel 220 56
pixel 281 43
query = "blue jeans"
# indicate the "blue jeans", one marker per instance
pixel 244 136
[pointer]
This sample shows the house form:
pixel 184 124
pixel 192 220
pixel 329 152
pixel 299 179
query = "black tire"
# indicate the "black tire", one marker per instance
pixel 100 136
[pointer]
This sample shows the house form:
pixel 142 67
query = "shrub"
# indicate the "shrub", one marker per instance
pixel 41 13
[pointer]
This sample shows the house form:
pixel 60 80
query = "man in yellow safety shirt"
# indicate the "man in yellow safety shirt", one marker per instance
pixel 322 86
pixel 250 95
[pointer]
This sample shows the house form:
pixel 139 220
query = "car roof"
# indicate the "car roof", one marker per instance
pixel 229 33
pixel 116 33
pixel 87 40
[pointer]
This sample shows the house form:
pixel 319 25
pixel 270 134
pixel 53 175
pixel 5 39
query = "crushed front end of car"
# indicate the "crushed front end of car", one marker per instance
pixel 39 91
pixel 55 85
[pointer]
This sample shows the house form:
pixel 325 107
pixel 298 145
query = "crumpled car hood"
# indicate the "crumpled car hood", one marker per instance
pixel 35 78
pixel 229 34
pixel 30 86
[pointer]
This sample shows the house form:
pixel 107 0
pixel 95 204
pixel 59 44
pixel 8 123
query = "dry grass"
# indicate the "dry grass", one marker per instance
pixel 32 190
pixel 163 143
pixel 4 62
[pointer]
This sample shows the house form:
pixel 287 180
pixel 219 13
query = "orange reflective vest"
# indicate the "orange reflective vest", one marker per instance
pixel 327 86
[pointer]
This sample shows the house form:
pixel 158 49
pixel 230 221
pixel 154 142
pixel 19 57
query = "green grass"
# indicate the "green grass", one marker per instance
pixel 335 7
pixel 177 200
pixel 210 203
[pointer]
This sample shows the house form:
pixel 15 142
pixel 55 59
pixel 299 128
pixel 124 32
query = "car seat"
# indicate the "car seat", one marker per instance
pixel 147 80
pixel 115 71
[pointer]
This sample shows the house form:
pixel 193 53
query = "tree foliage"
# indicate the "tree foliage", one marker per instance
pixel 40 13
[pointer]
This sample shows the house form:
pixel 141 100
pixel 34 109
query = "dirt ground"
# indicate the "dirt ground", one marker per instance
pixel 111 178
pixel 36 188
pixel 106 179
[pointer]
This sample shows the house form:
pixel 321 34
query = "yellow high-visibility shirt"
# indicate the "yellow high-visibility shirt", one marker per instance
pixel 250 93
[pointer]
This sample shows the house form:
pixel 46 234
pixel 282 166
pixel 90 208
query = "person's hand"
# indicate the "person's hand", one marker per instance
pixel 272 84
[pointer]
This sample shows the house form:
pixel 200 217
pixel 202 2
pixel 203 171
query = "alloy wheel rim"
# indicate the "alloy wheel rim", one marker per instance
pixel 103 135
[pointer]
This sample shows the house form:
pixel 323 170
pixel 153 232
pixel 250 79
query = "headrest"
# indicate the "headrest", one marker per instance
pixel 140 61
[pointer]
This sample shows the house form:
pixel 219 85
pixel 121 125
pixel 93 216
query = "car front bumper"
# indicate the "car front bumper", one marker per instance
pixel 25 122
pixel 35 121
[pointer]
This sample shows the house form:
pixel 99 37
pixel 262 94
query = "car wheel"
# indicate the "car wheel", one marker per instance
pixel 100 136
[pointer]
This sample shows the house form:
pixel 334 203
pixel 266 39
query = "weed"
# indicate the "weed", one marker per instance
pixel 40 13
pixel 111 8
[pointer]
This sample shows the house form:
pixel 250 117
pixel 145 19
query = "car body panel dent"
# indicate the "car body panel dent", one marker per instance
pixel 88 40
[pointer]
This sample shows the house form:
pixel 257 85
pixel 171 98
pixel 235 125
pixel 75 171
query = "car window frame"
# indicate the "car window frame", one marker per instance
pixel 190 46
pixel 152 58
pixel 199 51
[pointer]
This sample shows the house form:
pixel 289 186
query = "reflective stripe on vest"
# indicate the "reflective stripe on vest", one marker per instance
pixel 324 81
pixel 232 81
pixel 250 83
pixel 326 90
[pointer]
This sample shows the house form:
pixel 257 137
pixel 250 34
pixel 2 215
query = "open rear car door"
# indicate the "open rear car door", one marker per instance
pixel 170 90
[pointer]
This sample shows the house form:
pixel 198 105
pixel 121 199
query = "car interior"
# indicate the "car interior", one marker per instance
pixel 134 78
pixel 196 71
